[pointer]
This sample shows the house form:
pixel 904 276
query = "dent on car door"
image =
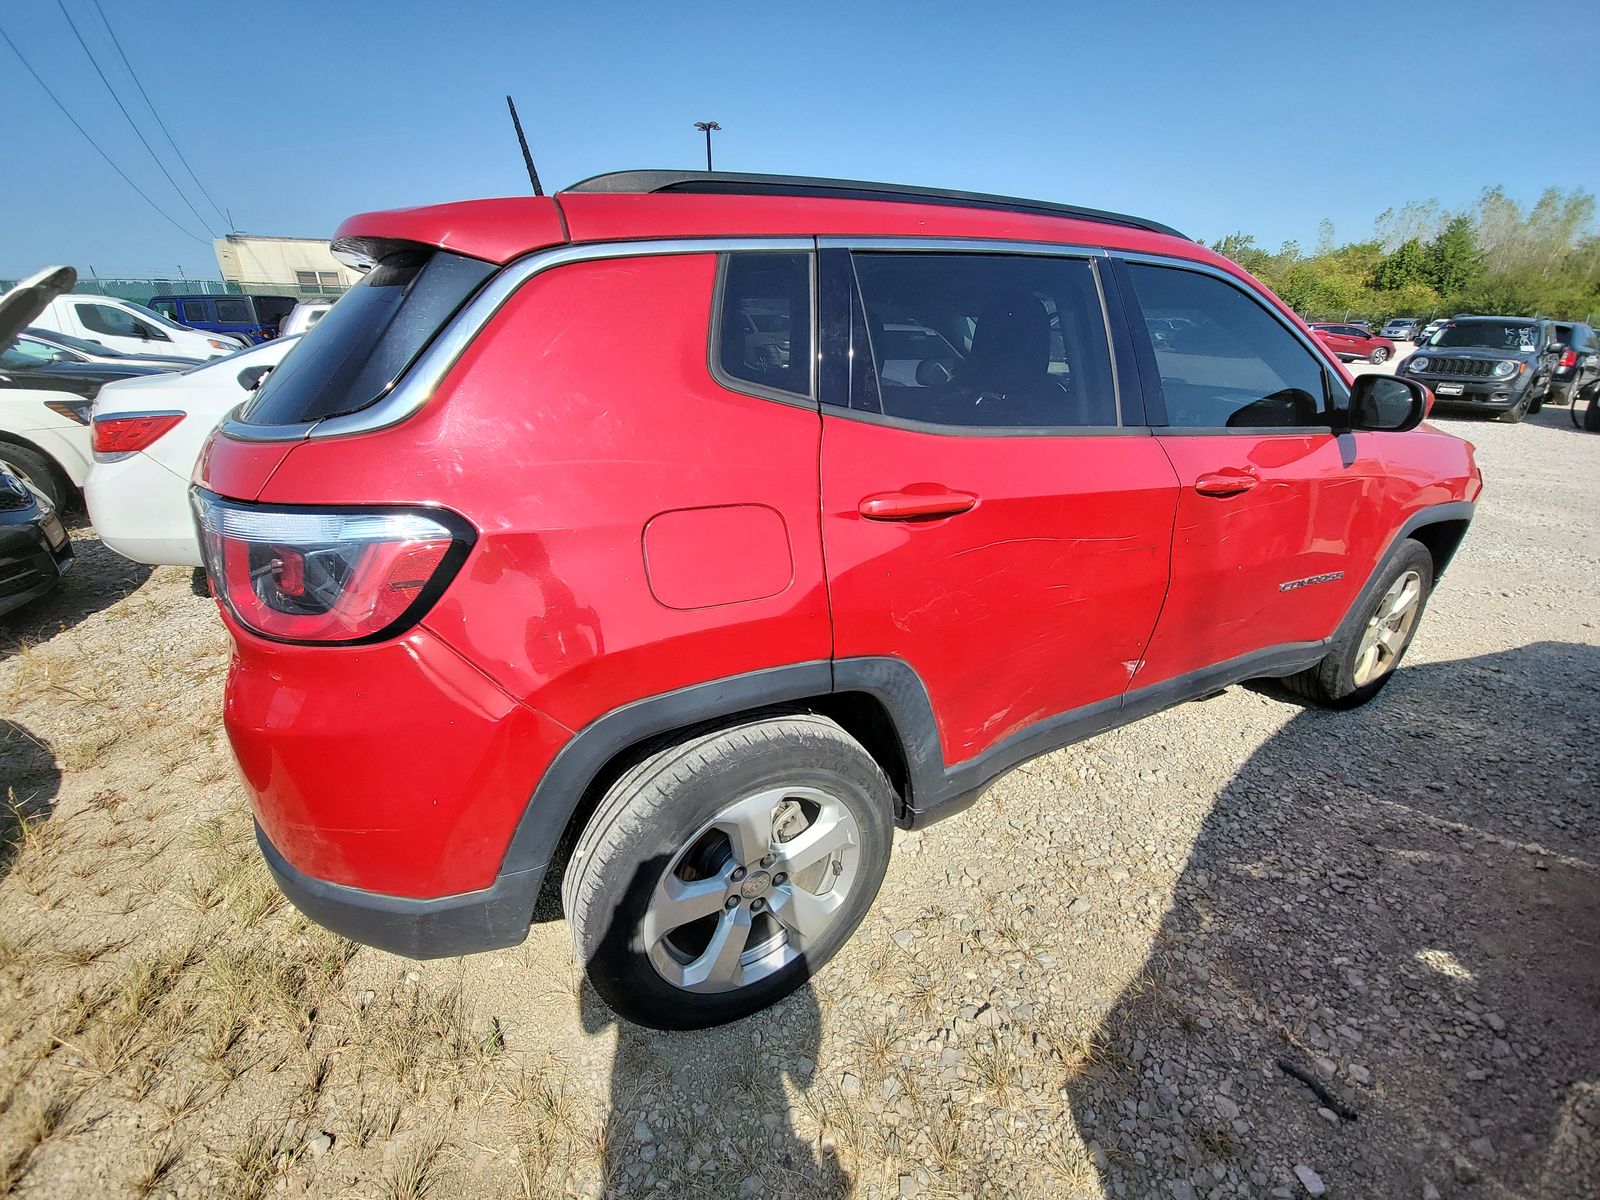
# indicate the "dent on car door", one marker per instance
pixel 990 517
pixel 1279 516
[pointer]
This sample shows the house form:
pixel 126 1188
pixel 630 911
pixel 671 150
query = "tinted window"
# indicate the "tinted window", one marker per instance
pixel 167 308
pixel 235 312
pixel 106 319
pixel 197 310
pixel 987 341
pixel 1233 365
pixel 368 339
pixel 764 322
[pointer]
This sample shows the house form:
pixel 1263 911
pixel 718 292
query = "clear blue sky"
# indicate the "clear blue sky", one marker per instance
pixel 1212 117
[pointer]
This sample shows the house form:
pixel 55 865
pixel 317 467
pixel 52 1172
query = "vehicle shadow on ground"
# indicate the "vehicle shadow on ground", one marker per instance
pixel 97 579
pixel 706 1112
pixel 29 781
pixel 1404 902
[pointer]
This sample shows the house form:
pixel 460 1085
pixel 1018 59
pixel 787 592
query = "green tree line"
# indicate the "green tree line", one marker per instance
pixel 1425 262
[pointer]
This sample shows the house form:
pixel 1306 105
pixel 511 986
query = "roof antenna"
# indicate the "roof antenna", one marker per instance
pixel 523 142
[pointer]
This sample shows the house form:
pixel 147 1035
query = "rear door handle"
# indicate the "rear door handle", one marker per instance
pixel 916 500
pixel 1230 481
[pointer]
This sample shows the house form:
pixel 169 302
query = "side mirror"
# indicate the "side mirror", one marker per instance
pixel 934 372
pixel 250 378
pixel 1388 403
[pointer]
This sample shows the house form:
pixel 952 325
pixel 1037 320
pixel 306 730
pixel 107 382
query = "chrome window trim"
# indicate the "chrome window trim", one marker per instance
pixel 417 386
pixel 936 245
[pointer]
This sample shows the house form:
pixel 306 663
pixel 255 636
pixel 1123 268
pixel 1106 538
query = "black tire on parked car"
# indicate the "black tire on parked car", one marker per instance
pixel 1363 659
pixel 1517 411
pixel 677 895
pixel 1591 410
pixel 38 472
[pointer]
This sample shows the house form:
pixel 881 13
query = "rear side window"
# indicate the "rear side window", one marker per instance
pixel 987 340
pixel 235 312
pixel 354 355
pixel 763 332
pixel 1224 361
pixel 197 310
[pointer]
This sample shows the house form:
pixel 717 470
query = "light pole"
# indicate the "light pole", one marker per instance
pixel 706 127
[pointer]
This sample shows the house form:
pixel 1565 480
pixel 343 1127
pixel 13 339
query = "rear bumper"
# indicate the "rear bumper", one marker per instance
pixel 497 916
pixel 140 509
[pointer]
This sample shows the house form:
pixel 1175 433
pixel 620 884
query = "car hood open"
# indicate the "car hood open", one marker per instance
pixel 32 296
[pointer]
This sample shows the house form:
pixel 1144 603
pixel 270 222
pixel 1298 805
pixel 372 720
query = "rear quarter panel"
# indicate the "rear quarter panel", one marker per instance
pixel 583 412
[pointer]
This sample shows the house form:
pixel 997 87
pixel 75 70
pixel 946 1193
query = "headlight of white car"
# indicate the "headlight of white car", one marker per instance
pixel 1506 369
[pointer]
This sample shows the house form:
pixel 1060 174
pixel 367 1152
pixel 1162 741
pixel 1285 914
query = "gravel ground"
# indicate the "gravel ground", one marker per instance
pixel 1083 986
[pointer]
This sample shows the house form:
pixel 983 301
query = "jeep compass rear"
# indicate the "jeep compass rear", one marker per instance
pixel 871 494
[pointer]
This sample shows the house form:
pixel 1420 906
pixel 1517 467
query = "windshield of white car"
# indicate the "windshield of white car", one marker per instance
pixel 1487 335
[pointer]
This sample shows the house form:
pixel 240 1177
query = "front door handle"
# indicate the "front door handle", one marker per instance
pixel 917 500
pixel 1230 481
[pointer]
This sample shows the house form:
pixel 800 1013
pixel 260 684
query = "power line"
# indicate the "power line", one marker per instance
pixel 163 125
pixel 93 62
pixel 169 218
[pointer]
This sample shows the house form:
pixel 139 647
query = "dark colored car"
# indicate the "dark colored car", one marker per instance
pixel 1577 369
pixel 1401 329
pixel 34 547
pixel 77 349
pixel 1351 341
pixel 1498 365
pixel 254 318
pixel 685 631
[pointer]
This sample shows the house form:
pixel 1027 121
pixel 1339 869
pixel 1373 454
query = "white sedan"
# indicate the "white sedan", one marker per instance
pixel 147 439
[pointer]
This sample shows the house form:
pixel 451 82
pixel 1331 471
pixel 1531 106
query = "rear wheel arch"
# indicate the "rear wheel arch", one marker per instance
pixel 628 737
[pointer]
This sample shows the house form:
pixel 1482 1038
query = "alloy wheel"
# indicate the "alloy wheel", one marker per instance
pixel 1389 629
pixel 752 889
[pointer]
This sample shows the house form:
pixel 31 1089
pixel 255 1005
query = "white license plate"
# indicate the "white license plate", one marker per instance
pixel 1448 389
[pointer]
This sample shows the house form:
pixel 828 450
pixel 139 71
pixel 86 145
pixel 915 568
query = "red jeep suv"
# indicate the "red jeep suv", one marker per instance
pixel 673 539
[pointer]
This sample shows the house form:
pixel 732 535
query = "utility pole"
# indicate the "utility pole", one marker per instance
pixel 706 127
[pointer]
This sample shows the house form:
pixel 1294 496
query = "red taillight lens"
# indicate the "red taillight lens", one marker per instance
pixel 1569 358
pixel 330 575
pixel 116 436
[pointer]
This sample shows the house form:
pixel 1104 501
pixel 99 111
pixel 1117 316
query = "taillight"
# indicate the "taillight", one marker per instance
pixel 117 435
pixel 328 575
pixel 1569 358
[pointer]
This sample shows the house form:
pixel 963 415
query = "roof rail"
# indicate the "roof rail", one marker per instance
pixel 731 183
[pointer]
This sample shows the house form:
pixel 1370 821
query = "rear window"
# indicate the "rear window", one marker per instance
pixel 763 333
pixel 355 354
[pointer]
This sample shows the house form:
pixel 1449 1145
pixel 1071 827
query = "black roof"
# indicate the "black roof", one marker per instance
pixel 731 183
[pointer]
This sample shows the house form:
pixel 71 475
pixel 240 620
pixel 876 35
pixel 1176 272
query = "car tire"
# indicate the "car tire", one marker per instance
pixel 1517 411
pixel 1378 356
pixel 1345 678
pixel 38 472
pixel 718 810
pixel 1591 414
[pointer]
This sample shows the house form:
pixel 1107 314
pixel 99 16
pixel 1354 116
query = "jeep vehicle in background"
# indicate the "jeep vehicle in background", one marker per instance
pixel 1577 369
pixel 250 319
pixel 1401 329
pixel 1498 365
pixel 685 632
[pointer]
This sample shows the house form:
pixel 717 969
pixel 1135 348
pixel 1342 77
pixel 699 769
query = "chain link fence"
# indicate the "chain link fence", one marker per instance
pixel 141 290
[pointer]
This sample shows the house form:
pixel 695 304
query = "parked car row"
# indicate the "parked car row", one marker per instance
pixel 124 429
